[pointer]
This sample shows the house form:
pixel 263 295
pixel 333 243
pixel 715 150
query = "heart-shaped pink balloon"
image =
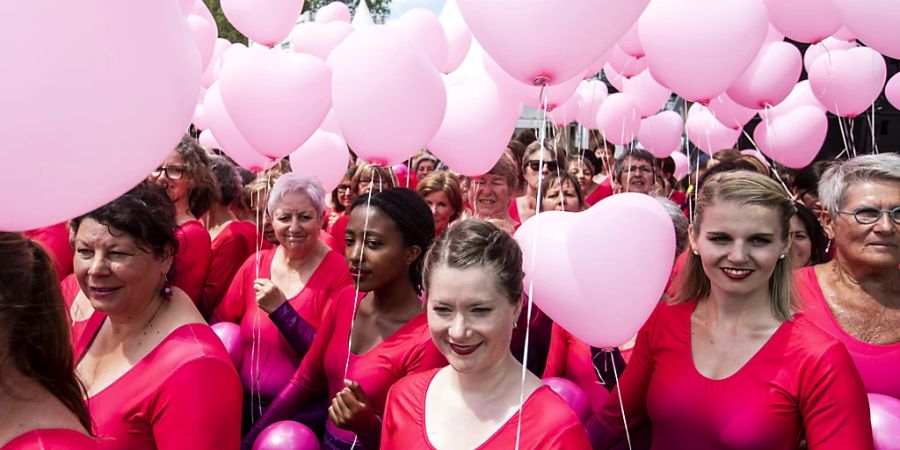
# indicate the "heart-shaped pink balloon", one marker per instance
pixel 707 133
pixel 874 22
pixel 730 113
pixel 602 303
pixel 618 119
pixel 892 91
pixel 847 82
pixel 770 77
pixel 590 95
pixel 682 165
pixel 333 12
pixel 267 22
pixel 661 134
pixel 813 52
pixel 277 99
pixel 230 139
pixel 801 95
pixel 319 39
pixel 804 20
pixel 423 27
pixel 793 139
pixel 325 156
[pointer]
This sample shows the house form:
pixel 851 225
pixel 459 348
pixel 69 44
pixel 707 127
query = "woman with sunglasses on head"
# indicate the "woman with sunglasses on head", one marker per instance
pixel 856 296
pixel 728 363
pixel 190 186
pixel 386 329
pixel 540 160
pixel 41 400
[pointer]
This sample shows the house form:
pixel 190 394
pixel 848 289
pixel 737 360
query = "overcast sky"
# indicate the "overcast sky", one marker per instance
pixel 398 7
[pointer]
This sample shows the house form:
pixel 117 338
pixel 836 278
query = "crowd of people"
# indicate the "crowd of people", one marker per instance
pixel 391 312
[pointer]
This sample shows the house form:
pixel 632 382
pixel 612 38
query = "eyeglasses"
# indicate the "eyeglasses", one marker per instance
pixel 868 215
pixel 536 165
pixel 172 172
pixel 642 169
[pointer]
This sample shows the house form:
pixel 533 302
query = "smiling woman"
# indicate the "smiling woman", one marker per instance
pixel 727 349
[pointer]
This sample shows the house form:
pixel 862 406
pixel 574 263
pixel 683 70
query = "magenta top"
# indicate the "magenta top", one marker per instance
pixel 51 439
pixel 879 365
pixel 191 264
pixel 230 249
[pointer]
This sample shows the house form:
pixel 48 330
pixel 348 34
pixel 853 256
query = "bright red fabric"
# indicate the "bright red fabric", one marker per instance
pixel 191 264
pixel 570 358
pixel 547 422
pixel 602 191
pixel 51 439
pixel 55 241
pixel 230 249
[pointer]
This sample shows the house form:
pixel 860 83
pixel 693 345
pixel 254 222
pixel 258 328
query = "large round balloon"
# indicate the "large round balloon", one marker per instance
pixel 892 91
pixel 648 95
pixel 804 20
pixel 230 335
pixel 459 38
pixel 277 99
pixel 423 27
pixel 572 394
pixel 286 434
pixel 618 119
pixel 661 134
pixel 335 11
pixel 794 138
pixel 94 95
pixel 265 21
pixel 388 97
pixel 590 94
pixel 325 156
pixel 847 82
pixel 874 22
pixel 698 48
pixel 548 41
pixel 885 414
pixel 770 77
pixel 319 39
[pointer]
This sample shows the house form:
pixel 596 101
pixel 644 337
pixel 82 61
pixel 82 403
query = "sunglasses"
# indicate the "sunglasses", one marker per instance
pixel 536 165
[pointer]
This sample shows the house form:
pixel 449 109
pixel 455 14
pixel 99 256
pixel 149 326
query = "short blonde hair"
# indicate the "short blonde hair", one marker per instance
pixel 744 188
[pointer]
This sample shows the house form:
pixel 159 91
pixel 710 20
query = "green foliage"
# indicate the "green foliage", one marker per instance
pixel 226 31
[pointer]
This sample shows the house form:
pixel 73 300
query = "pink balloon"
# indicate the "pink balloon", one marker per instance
pixel 459 38
pixel 725 110
pixel 230 334
pixel 844 34
pixel 590 95
pixel 649 96
pixel 801 95
pixel 333 12
pixel 707 133
pixel 208 141
pixel 567 247
pixel 277 99
pixel 388 97
pixel 319 39
pixel 88 110
pixel 565 113
pixel 199 119
pixel 698 48
pixel 572 394
pixel 325 156
pixel 423 27
pixel 682 165
pixel 773 36
pixel 267 22
pixel 885 413
pixel 330 124
pixel 187 5
pixel 618 119
pixel 892 91
pixel 627 66
pixel 556 34
pixel 804 20
pixel 231 141
pixel 824 48
pixel 770 77
pixel 205 35
pixel 661 134
pixel 793 139
pixel 614 77
pixel 287 434
pixel 528 94
pixel 595 67
pixel 874 22
pixel 848 81
pixel 630 42
pixel 480 119
pixel 211 74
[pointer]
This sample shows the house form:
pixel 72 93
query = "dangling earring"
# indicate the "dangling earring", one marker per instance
pixel 166 290
pixel 828 246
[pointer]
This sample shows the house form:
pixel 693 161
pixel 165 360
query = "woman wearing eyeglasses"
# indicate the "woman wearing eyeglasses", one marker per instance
pixel 856 296
pixel 189 184
pixel 539 162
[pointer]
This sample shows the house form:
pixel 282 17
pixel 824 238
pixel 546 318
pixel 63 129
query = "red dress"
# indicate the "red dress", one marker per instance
pixel 185 393
pixel 272 360
pixel 879 365
pixel 191 263
pixel 800 381
pixel 230 249
pixel 547 422
pixel 408 350
pixel 602 191
pixel 55 241
pixel 51 439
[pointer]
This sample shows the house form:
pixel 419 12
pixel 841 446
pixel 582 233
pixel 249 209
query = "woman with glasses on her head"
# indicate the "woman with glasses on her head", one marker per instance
pixel 727 363
pixel 856 296
pixel 540 160
pixel 190 186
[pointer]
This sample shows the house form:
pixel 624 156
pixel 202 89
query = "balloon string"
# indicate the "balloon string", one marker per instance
pixel 771 164
pixel 871 120
pixel 843 134
pixel 850 123
pixel 619 391
pixel 356 302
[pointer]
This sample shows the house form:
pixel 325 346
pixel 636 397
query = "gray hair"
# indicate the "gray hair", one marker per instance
pixel 679 220
pixel 294 183
pixel 840 176
pixel 638 154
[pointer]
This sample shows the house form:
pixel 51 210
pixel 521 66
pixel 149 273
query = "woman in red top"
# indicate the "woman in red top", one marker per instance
pixel 156 375
pixel 366 178
pixel 279 296
pixel 41 401
pixel 725 365
pixel 185 176
pixel 474 284
pixel 856 296
pixel 385 332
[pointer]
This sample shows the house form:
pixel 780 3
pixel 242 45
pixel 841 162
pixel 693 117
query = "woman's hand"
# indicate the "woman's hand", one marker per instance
pixel 268 296
pixel 350 410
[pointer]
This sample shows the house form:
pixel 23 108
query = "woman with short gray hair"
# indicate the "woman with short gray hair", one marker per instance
pixel 856 296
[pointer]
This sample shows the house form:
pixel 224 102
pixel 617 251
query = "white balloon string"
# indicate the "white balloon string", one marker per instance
pixel 356 301
pixel 687 152
pixel 619 391
pixel 843 136
pixel 850 123
pixel 409 163
pixel 871 120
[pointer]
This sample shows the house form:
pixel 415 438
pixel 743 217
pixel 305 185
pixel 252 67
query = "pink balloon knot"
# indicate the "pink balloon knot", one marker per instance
pixel 540 80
